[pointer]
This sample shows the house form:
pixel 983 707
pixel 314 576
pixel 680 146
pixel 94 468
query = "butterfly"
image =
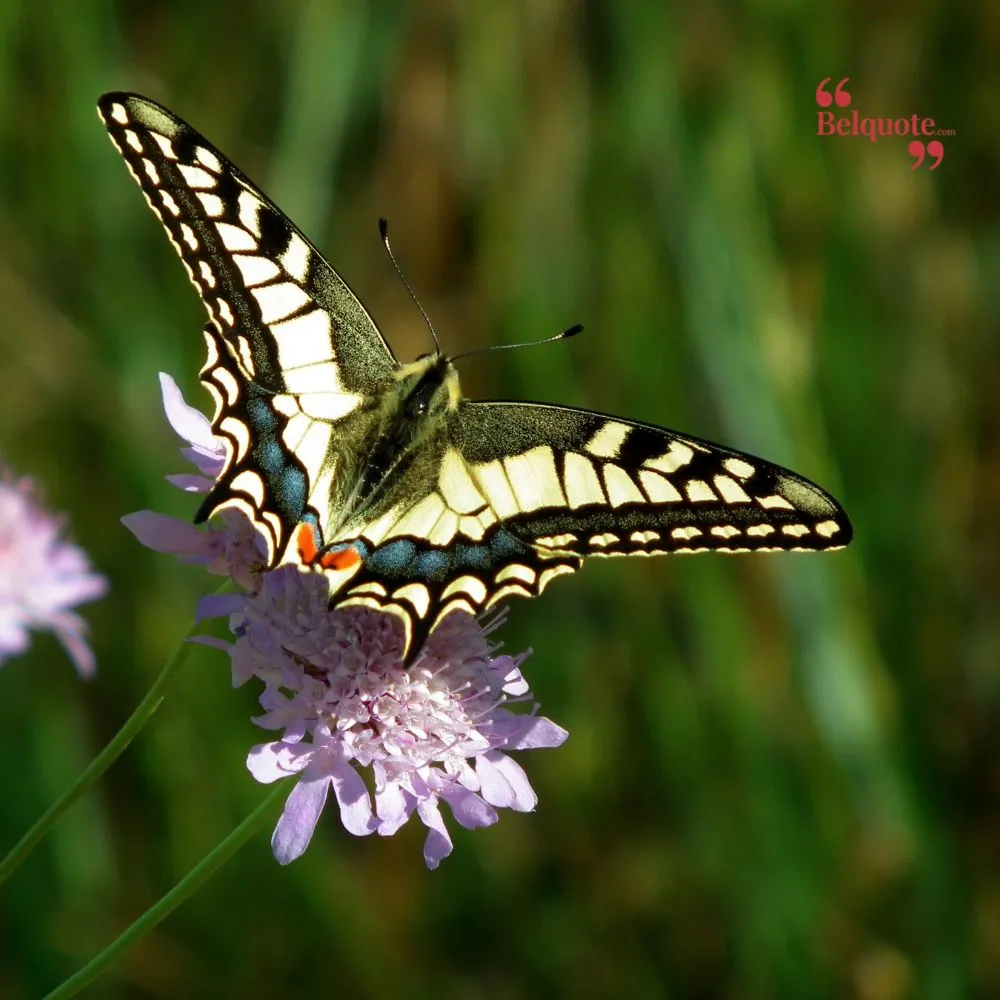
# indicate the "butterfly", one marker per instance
pixel 410 498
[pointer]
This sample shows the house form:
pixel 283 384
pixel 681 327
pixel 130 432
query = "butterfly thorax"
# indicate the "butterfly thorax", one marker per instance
pixel 393 448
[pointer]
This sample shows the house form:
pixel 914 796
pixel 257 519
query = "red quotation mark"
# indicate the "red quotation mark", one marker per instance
pixel 935 148
pixel 841 96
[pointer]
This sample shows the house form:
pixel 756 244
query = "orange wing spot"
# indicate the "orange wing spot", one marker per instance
pixel 342 559
pixel 306 539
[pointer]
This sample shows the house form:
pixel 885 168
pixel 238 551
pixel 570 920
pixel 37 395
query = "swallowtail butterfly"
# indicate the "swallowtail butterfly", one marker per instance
pixel 409 497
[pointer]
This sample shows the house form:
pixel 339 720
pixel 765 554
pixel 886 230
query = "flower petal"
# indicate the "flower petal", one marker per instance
pixel 190 424
pixel 167 534
pixel 514 683
pixel 219 606
pixel 506 770
pixel 470 810
pixel 71 630
pixel 41 575
pixel 534 732
pixel 298 822
pixel 495 788
pixel 269 762
pixel 353 798
pixel 438 844
pixel 190 483
pixel 392 807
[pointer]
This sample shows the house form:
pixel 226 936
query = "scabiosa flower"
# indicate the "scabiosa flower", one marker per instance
pixel 337 693
pixel 42 576
pixel 336 689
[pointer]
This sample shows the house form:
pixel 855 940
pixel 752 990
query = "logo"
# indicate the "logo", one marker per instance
pixel 830 123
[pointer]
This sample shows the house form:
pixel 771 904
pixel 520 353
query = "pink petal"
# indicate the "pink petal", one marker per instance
pixel 353 798
pixel 507 770
pixel 210 640
pixel 167 534
pixel 190 483
pixel 438 845
pixel 298 822
pixel 269 762
pixel 13 638
pixel 219 606
pixel 390 803
pixel 535 732
pixel 189 423
pixel 493 785
pixel 469 809
pixel 513 680
pixel 70 630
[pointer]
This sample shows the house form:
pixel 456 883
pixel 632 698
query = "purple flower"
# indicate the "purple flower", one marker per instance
pixel 42 576
pixel 336 690
pixel 337 693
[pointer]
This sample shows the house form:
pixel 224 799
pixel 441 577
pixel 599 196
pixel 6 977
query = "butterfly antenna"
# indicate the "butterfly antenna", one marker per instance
pixel 571 332
pixel 383 228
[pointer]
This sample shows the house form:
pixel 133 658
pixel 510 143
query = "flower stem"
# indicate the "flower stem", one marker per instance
pixel 100 763
pixel 186 887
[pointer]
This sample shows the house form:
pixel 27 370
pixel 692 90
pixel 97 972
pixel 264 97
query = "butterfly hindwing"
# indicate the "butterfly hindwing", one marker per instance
pixel 443 547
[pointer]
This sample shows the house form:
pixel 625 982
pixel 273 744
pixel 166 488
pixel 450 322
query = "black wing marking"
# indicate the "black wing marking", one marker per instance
pixel 422 582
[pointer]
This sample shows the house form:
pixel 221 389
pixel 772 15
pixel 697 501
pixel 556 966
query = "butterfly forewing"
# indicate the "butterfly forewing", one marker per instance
pixel 591 484
pixel 285 312
pixel 291 349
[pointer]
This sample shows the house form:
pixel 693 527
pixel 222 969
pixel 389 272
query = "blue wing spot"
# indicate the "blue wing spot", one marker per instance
pixel 472 556
pixel 402 557
pixel 433 564
pixel 270 456
pixel 290 491
pixel 503 545
pixel 393 558
pixel 261 417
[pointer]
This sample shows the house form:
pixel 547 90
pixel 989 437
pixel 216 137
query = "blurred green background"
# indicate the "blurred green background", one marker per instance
pixel 782 778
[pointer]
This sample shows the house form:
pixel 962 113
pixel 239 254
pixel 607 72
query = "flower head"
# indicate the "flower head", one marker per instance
pixel 336 692
pixel 42 576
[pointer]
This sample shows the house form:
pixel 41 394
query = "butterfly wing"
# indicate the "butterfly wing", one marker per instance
pixel 523 492
pixel 291 350
pixel 596 485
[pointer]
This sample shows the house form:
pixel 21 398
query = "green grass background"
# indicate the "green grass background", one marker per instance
pixel 782 778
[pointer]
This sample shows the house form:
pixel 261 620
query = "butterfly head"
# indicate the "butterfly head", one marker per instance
pixel 428 387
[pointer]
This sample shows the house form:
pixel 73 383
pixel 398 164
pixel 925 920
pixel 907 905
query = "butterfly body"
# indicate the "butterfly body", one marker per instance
pixel 411 498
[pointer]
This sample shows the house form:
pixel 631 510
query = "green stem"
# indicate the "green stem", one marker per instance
pixel 100 763
pixel 186 887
